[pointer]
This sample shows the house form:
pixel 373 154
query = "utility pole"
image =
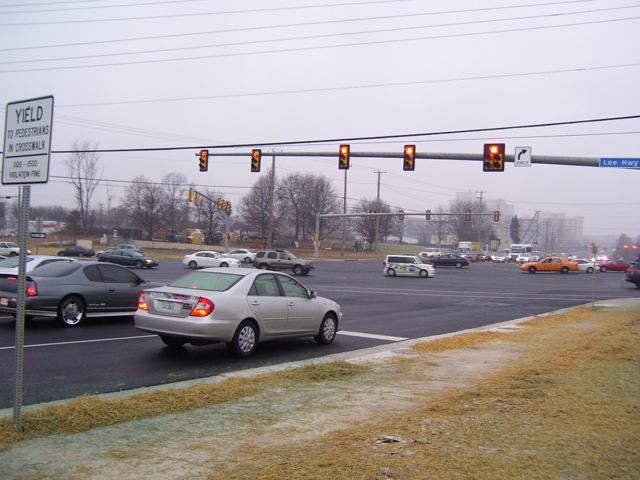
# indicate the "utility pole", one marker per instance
pixel 271 194
pixel 344 210
pixel 379 172
pixel 480 220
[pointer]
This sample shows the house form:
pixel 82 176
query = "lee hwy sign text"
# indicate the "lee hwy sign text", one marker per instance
pixel 620 162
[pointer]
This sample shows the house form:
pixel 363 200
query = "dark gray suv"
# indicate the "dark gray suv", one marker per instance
pixel 282 260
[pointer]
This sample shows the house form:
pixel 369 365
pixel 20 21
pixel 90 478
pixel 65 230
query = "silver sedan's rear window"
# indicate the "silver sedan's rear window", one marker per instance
pixel 213 281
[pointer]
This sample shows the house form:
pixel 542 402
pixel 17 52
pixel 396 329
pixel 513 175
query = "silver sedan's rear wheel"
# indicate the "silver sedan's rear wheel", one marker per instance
pixel 245 340
pixel 328 330
pixel 71 311
pixel 247 260
pixel 193 264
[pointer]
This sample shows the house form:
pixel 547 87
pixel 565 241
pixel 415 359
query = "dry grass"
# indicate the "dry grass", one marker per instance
pixel 88 411
pixel 567 406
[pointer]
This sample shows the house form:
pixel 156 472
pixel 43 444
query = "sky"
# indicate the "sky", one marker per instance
pixel 279 75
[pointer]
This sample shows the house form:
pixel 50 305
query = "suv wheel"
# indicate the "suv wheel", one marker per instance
pixel 264 266
pixel 298 270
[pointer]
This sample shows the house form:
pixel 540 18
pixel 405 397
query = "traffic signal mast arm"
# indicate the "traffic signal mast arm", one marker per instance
pixel 474 157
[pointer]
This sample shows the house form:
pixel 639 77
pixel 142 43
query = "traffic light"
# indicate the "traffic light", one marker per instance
pixel 204 160
pixel 372 216
pixel 409 158
pixel 343 164
pixel 230 235
pixel 493 157
pixel 468 216
pixel 255 160
pixel 401 214
pixel 229 207
pixel 196 199
pixel 496 216
pixel 428 214
pixel 219 204
pixel 190 194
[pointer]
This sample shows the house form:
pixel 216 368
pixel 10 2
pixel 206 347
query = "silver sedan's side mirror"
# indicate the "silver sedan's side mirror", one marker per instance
pixel 313 294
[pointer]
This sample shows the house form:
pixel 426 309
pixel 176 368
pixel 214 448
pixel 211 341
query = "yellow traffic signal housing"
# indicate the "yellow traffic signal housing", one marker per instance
pixel 228 207
pixel 204 160
pixel 401 214
pixel 219 204
pixel 468 216
pixel 493 157
pixel 190 194
pixel 372 217
pixel 428 214
pixel 196 199
pixel 496 216
pixel 256 156
pixel 409 158
pixel 343 163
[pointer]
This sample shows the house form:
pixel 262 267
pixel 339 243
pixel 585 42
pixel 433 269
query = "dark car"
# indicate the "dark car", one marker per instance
pixel 73 291
pixel 77 251
pixel 633 274
pixel 128 258
pixel 449 260
pixel 282 260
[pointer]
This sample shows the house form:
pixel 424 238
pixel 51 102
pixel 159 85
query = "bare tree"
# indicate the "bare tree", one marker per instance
pixel 175 205
pixel 365 227
pixel 82 166
pixel 254 208
pixel 302 197
pixel 144 202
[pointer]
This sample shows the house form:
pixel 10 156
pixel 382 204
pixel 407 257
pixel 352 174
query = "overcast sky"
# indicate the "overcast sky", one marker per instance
pixel 191 73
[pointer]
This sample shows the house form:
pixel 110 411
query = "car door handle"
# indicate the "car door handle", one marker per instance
pixel 255 302
pixel 112 289
pixel 292 304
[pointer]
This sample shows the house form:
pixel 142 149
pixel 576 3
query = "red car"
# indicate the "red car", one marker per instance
pixel 615 265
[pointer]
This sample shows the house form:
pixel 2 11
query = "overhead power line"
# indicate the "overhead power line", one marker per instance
pixel 322 47
pixel 356 139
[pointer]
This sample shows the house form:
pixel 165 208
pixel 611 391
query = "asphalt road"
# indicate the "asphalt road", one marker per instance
pixel 109 354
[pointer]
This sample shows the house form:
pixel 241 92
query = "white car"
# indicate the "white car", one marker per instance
pixel 408 265
pixel 586 265
pixel 10 265
pixel 10 249
pixel 500 257
pixel 207 259
pixel 431 252
pixel 240 307
pixel 246 256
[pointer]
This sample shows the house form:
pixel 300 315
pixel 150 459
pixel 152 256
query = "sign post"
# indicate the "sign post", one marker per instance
pixel 25 161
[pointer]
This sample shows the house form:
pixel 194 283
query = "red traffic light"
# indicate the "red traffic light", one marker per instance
pixel 409 158
pixel 343 163
pixel 493 157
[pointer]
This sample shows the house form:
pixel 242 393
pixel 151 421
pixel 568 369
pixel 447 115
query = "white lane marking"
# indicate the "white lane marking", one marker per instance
pixel 81 341
pixel 372 335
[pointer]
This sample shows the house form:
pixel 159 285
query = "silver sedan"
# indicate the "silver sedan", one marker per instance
pixel 238 307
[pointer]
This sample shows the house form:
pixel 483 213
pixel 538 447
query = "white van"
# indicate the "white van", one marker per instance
pixel 431 252
pixel 408 265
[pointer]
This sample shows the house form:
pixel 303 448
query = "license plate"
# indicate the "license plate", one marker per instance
pixel 168 306
pixel 4 302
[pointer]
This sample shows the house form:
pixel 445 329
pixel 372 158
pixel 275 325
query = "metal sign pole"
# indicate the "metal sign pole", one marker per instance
pixel 23 231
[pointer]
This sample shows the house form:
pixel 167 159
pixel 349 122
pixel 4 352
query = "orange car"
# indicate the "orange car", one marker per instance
pixel 551 264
